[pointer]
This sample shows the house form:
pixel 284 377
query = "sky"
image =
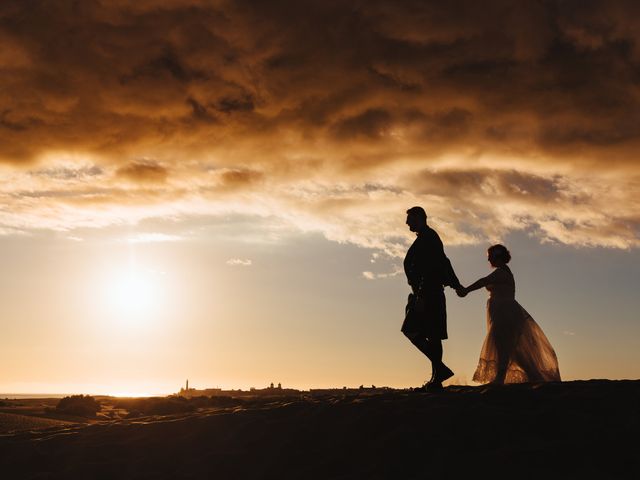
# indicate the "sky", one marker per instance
pixel 216 190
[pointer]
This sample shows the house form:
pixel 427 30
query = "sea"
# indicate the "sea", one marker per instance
pixel 22 396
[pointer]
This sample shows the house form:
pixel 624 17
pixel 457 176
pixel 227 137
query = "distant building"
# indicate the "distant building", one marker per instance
pixel 349 391
pixel 273 390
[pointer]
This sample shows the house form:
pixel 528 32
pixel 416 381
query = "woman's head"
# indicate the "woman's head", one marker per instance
pixel 498 255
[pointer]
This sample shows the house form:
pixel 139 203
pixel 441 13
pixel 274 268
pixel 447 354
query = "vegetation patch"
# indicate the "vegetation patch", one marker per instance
pixel 79 405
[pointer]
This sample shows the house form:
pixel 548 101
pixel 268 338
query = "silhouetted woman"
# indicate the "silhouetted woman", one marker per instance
pixel 515 349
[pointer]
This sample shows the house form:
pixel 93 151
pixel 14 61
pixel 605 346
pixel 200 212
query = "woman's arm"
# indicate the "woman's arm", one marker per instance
pixel 478 284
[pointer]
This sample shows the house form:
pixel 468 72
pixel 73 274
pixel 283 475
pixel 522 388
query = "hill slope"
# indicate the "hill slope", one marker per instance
pixel 586 429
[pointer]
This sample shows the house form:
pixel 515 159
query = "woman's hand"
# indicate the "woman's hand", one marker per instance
pixel 462 291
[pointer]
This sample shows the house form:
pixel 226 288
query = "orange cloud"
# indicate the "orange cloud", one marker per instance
pixel 331 116
pixel 143 172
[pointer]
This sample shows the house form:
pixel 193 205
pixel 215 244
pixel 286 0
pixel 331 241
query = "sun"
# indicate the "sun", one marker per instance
pixel 133 296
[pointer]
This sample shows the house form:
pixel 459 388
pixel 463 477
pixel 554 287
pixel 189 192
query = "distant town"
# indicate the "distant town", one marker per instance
pixel 274 390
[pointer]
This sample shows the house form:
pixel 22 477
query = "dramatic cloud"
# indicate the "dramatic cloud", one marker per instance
pixel 143 172
pixel 330 116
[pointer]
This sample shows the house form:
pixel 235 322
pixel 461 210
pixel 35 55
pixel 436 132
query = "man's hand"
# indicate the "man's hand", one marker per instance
pixel 461 291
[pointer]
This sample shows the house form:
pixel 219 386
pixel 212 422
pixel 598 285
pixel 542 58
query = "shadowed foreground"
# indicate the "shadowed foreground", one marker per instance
pixel 570 430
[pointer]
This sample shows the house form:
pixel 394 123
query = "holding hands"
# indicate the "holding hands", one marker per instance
pixel 464 291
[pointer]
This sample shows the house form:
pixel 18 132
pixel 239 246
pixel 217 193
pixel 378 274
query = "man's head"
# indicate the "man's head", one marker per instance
pixel 416 218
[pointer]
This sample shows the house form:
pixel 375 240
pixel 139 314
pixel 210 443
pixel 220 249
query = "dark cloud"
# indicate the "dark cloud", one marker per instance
pixel 200 112
pixel 143 172
pixel 240 178
pixel 484 182
pixel 242 103
pixel 519 102
pixel 372 123
pixel 113 77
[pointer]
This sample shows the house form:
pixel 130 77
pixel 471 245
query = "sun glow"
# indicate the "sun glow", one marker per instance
pixel 135 394
pixel 133 296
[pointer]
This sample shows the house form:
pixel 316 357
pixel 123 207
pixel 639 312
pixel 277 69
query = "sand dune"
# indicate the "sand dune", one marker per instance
pixel 12 422
pixel 569 430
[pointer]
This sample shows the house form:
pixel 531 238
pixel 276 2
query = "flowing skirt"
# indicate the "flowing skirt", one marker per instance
pixel 515 349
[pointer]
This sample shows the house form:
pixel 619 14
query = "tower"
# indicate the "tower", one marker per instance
pixel 187 389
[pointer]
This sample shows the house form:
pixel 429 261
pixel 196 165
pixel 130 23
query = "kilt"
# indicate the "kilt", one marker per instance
pixel 431 323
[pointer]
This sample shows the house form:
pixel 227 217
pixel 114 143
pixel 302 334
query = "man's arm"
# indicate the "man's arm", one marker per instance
pixel 447 274
pixel 451 279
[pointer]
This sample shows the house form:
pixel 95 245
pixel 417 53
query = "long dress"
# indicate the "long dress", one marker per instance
pixel 515 349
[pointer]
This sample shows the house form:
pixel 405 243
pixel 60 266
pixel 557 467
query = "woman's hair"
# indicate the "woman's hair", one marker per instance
pixel 501 252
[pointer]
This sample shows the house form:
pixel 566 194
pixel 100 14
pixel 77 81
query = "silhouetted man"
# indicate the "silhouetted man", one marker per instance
pixel 428 270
